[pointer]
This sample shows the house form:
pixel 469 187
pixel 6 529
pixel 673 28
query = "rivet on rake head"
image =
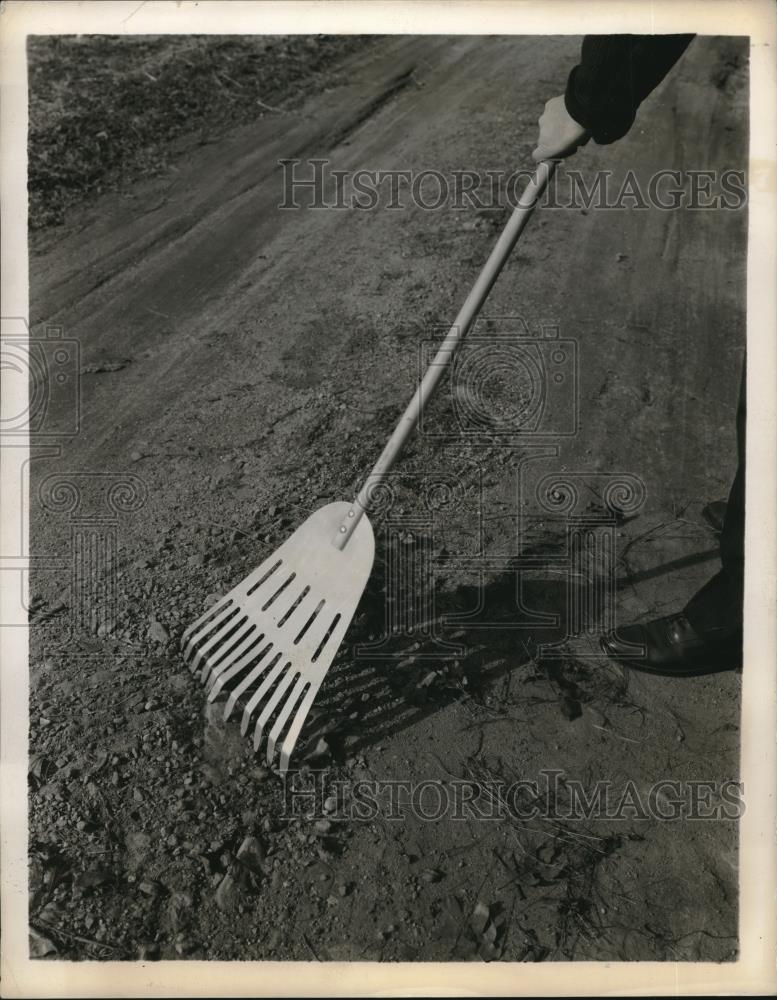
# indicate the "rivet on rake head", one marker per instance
pixel 350 513
pixel 342 528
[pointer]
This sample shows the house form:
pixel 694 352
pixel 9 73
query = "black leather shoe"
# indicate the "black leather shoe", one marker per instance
pixel 671 647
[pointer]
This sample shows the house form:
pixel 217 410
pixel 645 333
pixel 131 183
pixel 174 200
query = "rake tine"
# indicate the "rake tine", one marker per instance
pixel 290 740
pixel 283 718
pixel 201 652
pixel 211 631
pixel 248 680
pixel 205 618
pixel 277 666
pixel 283 686
pixel 210 619
pixel 230 668
pixel 237 641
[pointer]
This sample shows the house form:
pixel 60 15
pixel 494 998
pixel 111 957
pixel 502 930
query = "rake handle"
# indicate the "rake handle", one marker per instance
pixel 458 331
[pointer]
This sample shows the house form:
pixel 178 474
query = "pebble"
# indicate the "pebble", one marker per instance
pixel 39 944
pixel 226 894
pixel 94 877
pixel 251 852
pixel 480 917
pixel 157 632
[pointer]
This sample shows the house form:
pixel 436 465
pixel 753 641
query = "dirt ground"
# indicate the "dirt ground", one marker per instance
pixel 241 365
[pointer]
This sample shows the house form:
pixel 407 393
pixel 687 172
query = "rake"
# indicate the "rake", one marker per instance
pixel 270 641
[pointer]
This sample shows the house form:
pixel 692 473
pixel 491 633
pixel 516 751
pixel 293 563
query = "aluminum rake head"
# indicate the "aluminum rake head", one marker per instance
pixel 271 639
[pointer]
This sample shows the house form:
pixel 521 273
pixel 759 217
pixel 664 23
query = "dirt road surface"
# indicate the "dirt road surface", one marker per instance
pixel 242 365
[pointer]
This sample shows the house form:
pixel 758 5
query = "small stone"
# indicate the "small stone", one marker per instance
pixel 322 826
pixel 252 854
pixel 226 894
pixel 158 633
pixel 92 879
pixel 330 804
pixel 480 918
pixel 39 944
pixel 179 909
pixel 149 888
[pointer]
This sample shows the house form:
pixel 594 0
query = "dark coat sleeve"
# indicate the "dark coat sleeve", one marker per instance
pixel 615 74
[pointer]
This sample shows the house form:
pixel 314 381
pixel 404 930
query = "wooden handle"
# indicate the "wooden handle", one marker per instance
pixel 461 325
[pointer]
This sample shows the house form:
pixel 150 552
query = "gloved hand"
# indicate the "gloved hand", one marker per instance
pixel 560 135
